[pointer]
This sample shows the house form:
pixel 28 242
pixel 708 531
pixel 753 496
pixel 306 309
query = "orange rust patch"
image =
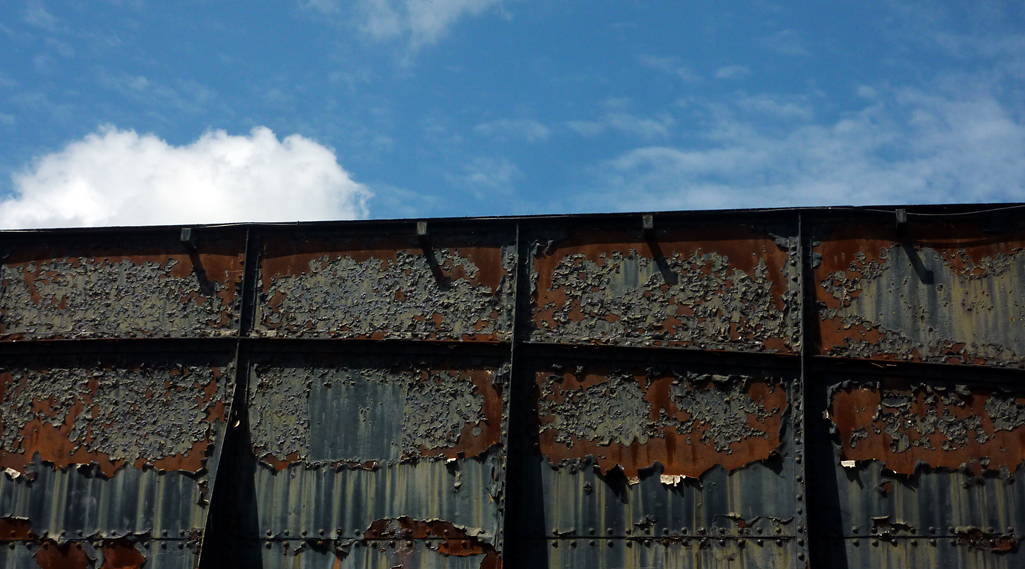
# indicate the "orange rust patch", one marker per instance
pixel 15 529
pixel 278 464
pixel 191 460
pixel 121 554
pixel 221 262
pixel 978 539
pixel 878 430
pixel 678 447
pixel 287 259
pixel 744 249
pixel 67 556
pixel 454 541
pixel 467 444
pixel 54 446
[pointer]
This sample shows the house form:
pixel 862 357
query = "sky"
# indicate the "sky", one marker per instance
pixel 135 112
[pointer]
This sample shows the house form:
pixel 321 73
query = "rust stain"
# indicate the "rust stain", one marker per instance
pixel 903 424
pixel 631 420
pixel 444 537
pixel 468 444
pixel 121 554
pixel 732 289
pixel 51 555
pixel 73 415
pixel 16 529
pixel 377 288
pixel 975 538
pixel 938 293
pixel 119 292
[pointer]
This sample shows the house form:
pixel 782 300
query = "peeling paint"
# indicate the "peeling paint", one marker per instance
pixel 715 288
pixel 119 294
pixel 903 423
pixel 348 416
pixel 632 419
pixel 387 290
pixel 953 299
pixel 156 416
pixel 976 538
pixel 442 537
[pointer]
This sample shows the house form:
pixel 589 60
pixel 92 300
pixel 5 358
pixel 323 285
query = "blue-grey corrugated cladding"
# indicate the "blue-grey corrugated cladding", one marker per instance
pixel 655 554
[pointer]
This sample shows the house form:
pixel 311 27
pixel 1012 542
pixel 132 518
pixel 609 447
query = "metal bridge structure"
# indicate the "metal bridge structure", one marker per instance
pixel 824 387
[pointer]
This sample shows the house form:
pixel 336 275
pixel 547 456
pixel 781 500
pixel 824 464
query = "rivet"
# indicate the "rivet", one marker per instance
pixel 268 545
pixel 800 510
pixel 391 544
pixel 591 543
pixel 665 531
pixel 932 529
pixel 932 542
pixel 304 533
pixel 800 555
pixel 855 529
pixel 800 496
pixel 875 542
pixel 1010 529
pixel 608 531
pixel 683 531
pixel 286 532
pixel 953 542
pixel 800 542
pixel 722 542
pixel 914 542
pixel 989 529
pixel 409 544
pixel 321 532
pixel 590 531
pixel 555 543
pixel 573 543
pixel 609 542
pixel 759 530
pixel 759 542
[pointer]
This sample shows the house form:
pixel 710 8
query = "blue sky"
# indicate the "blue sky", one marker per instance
pixel 137 112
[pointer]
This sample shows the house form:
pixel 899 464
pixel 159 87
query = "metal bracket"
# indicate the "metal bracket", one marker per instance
pixel 902 220
pixel 188 238
pixel 648 225
pixel 425 243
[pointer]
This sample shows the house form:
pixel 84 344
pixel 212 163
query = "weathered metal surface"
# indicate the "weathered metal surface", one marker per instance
pixel 110 451
pixel 655 553
pixel 456 288
pixel 942 292
pixel 711 287
pixel 425 436
pixel 659 466
pixel 925 472
pixel 120 290
pixel 630 419
pixel 906 425
pixel 425 553
pixel 399 384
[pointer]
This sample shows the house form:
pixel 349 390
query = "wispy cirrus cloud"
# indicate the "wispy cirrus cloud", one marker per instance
pixel 526 129
pixel 418 23
pixel 905 146
pixel 118 177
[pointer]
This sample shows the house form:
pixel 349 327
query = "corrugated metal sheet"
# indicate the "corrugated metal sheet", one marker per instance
pixel 780 388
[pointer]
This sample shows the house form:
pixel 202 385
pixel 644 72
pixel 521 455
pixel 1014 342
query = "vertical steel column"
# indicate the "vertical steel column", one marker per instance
pixel 217 550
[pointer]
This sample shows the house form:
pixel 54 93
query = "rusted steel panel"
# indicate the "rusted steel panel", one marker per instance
pixel 145 288
pixel 457 287
pixel 638 452
pixel 714 287
pixel 113 451
pixel 380 554
pixel 96 554
pixel 374 449
pixel 754 553
pixel 927 469
pixel 941 292
pixel 919 551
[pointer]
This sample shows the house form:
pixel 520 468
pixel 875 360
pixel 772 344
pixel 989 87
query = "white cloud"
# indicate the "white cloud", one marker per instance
pixel 117 177
pixel 486 177
pixel 776 106
pixel 732 72
pixel 908 146
pixel 417 22
pixel 527 129
pixel 671 66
